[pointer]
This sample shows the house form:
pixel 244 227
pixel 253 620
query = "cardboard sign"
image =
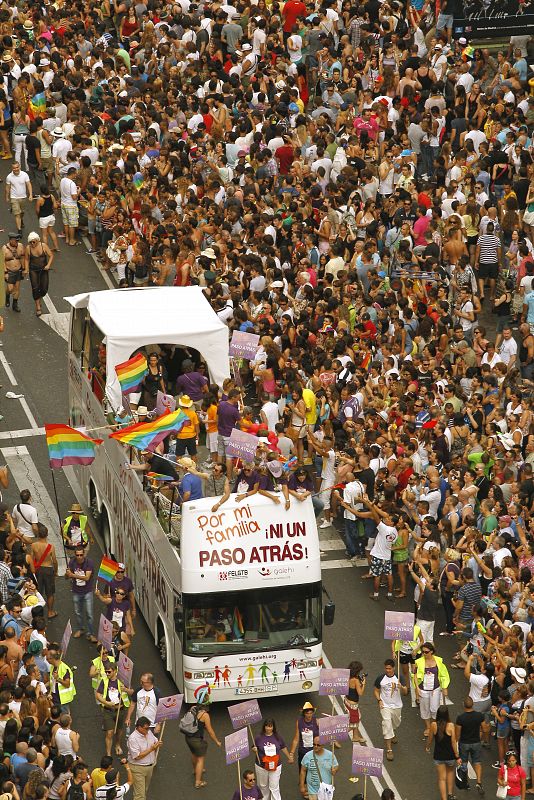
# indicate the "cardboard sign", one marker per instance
pixel 367 761
pixel 169 707
pixel 125 670
pixel 242 445
pixel 244 345
pixel 65 639
pixel 334 681
pixel 335 728
pixel 105 632
pixel 243 714
pixel 399 625
pixel 236 746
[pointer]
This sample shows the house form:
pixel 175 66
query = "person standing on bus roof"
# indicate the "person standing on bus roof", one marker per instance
pixel 75 529
pixel 80 571
pixel 228 416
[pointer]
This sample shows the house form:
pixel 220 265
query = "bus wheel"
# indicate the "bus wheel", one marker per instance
pixel 105 530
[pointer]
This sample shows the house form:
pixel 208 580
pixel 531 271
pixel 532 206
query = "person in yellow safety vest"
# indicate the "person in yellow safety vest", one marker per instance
pixel 62 689
pixel 405 653
pixel 76 532
pixel 114 698
pixel 97 670
pixel 431 680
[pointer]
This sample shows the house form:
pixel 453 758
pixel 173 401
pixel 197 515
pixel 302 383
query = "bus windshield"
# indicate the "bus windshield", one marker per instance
pixel 253 620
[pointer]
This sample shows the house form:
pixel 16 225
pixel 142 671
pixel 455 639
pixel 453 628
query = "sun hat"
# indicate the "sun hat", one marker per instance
pixel 34 237
pixel 142 411
pixel 308 706
pixel 519 674
pixel 58 133
pixel 75 509
pixel 209 252
pixel 185 401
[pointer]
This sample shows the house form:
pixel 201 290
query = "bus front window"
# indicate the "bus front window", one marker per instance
pixel 252 620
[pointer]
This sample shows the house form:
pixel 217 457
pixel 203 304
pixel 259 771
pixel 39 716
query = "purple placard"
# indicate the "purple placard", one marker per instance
pixel 243 714
pixel 242 445
pixel 169 707
pixel 333 728
pixel 244 345
pixel 399 625
pixel 125 669
pixel 367 761
pixel 165 402
pixel 334 681
pixel 65 639
pixel 105 632
pixel 236 746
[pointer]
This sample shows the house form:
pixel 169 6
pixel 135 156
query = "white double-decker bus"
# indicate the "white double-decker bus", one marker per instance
pixel 233 598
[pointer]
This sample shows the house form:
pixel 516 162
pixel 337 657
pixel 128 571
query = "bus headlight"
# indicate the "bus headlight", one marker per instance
pixel 307 685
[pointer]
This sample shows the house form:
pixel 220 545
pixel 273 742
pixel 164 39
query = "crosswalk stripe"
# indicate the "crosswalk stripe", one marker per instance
pixel 25 474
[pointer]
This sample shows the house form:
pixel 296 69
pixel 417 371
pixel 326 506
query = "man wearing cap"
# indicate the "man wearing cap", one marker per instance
pixel 13 267
pixel 187 437
pixel 113 782
pixel 76 531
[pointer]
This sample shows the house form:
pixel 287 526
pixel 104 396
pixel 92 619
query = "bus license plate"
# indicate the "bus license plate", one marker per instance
pixel 257 689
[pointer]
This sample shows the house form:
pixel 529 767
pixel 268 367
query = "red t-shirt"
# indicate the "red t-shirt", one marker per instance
pixel 285 156
pixel 514 779
pixel 290 12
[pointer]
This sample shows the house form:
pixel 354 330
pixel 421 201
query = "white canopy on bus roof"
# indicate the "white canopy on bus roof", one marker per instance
pixel 133 318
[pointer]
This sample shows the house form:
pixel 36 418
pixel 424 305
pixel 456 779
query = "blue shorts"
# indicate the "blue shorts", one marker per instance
pixel 445 21
pixel 470 752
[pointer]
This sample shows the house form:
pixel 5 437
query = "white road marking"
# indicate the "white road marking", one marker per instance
pixel 22 433
pixel 25 474
pixel 385 774
pixel 331 544
pixel 57 320
pixel 336 564
pixel 14 382
pixel 103 272
pixel 7 369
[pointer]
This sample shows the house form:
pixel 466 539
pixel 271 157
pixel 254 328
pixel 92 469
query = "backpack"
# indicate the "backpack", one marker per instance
pixel 188 724
pixel 75 791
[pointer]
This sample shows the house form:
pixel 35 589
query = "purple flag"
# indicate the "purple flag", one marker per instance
pixel 244 345
pixel 242 445
pixel 105 632
pixel 236 746
pixel 399 625
pixel 367 761
pixel 334 681
pixel 125 670
pixel 335 728
pixel 65 639
pixel 242 714
pixel 169 707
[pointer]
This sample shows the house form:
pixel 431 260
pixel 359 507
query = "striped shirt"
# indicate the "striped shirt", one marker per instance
pixel 489 244
pixel 470 593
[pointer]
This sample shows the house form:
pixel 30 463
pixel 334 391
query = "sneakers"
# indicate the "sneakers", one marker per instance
pixel 480 789
pixel 373 596
pixel 389 755
pixel 390 598
pixel 325 524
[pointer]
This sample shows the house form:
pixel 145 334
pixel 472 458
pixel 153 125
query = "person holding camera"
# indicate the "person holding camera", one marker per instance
pixel 357 681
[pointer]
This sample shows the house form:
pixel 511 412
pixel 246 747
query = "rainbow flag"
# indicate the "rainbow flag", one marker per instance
pixel 131 373
pixel 68 447
pixel 108 569
pixel 157 476
pixel 37 105
pixel 237 624
pixel 143 434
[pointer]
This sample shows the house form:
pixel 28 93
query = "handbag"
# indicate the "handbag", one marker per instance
pixel 326 790
pixel 502 791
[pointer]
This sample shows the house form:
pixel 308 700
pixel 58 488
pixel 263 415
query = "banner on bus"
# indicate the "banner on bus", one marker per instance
pixel 483 19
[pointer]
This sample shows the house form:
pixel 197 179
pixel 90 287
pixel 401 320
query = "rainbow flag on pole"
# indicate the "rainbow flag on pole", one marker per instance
pixel 108 569
pixel 131 373
pixel 157 476
pixel 68 447
pixel 143 434
pixel 37 106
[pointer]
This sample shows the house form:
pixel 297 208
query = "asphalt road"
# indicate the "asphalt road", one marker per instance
pixel 33 359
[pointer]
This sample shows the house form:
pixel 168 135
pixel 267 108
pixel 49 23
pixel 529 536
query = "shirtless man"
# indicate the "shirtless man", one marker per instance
pixel 13 269
pixel 44 558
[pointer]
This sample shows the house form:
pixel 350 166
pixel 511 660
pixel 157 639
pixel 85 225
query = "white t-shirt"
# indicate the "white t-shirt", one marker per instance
pixel 17 184
pixel 389 690
pixel 270 409
pixel 25 518
pixel 67 188
pixel 507 349
pixel 479 687
pixel 386 536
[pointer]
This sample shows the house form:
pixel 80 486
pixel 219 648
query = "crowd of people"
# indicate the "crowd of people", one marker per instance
pixel 355 186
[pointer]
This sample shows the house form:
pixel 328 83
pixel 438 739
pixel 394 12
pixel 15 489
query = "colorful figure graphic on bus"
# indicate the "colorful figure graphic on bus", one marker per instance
pixel 226 675
pixel 218 675
pixel 275 677
pixel 250 673
pixel 240 680
pixel 263 670
pixel 287 671
pixel 302 674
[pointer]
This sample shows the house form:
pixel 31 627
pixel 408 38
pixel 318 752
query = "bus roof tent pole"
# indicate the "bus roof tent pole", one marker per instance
pixel 170 509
